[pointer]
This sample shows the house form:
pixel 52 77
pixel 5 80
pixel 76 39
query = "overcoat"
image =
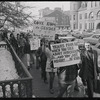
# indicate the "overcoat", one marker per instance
pixel 84 71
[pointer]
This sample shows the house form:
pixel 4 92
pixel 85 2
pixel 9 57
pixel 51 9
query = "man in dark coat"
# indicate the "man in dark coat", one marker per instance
pixel 89 68
pixel 42 59
pixel 13 42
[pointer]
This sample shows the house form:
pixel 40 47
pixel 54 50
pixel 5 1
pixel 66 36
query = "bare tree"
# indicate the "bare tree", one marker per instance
pixel 12 13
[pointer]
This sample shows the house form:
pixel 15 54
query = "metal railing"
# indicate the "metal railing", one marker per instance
pixel 23 83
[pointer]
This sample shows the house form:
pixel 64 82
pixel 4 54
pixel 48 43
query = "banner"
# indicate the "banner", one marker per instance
pixel 65 54
pixel 34 43
pixel 44 29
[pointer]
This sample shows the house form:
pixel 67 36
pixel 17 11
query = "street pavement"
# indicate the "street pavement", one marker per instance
pixel 41 90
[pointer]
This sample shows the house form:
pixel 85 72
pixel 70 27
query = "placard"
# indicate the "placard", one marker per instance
pixel 34 43
pixel 65 54
pixel 44 29
pixel 98 60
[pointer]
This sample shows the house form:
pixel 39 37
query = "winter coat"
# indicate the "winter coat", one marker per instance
pixel 84 71
pixel 27 48
pixel 42 55
pixel 49 64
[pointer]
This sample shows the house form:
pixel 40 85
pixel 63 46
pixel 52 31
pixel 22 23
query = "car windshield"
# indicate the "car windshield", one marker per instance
pixel 96 36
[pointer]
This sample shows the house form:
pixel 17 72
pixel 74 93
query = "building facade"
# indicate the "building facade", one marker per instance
pixel 58 16
pixel 85 15
pixel 45 11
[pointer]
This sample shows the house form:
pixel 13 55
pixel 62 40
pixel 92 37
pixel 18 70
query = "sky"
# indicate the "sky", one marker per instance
pixel 65 5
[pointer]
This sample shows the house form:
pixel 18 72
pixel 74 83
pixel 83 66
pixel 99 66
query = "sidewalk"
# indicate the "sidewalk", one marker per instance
pixel 40 89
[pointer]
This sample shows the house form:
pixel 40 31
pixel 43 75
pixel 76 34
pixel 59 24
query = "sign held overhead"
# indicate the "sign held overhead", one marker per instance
pixel 44 29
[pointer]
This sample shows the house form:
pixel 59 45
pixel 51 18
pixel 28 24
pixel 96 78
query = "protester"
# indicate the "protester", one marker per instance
pixel 13 42
pixel 49 64
pixel 32 51
pixel 42 60
pixel 38 62
pixel 18 42
pixel 22 42
pixel 89 68
pixel 67 77
pixel 27 52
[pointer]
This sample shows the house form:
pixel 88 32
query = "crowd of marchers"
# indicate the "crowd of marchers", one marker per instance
pixel 87 69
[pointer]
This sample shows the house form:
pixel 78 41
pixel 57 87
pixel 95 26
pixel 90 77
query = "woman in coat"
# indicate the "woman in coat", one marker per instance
pixel 49 64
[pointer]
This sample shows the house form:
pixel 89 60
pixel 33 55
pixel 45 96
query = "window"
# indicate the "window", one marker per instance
pixel 74 26
pixel 85 25
pixel 80 26
pixel 98 15
pixel 85 4
pixel 89 25
pixel 91 16
pixel 74 17
pixel 93 26
pixel 80 16
pixel 91 4
pixel 85 15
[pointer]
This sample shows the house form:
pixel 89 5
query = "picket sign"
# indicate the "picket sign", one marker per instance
pixel 65 54
pixel 34 43
pixel 44 29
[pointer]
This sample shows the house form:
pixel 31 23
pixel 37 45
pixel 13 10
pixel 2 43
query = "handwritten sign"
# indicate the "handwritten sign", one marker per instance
pixel 65 54
pixel 34 43
pixel 44 29
pixel 98 60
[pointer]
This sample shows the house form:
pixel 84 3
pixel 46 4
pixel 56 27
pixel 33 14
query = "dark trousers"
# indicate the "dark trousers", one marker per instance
pixel 43 72
pixel 52 75
pixel 90 87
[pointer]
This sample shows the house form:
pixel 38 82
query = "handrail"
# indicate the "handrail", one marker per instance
pixel 23 66
pixel 23 83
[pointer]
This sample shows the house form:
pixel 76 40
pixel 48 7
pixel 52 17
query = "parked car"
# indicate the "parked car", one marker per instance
pixel 97 48
pixel 87 34
pixel 77 34
pixel 94 39
pixel 68 38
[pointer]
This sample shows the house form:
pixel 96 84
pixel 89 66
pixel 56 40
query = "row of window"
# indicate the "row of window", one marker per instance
pixel 91 26
pixel 84 4
pixel 91 16
pixel 95 3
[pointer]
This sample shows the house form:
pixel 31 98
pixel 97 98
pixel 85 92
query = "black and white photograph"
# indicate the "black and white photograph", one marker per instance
pixel 49 49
